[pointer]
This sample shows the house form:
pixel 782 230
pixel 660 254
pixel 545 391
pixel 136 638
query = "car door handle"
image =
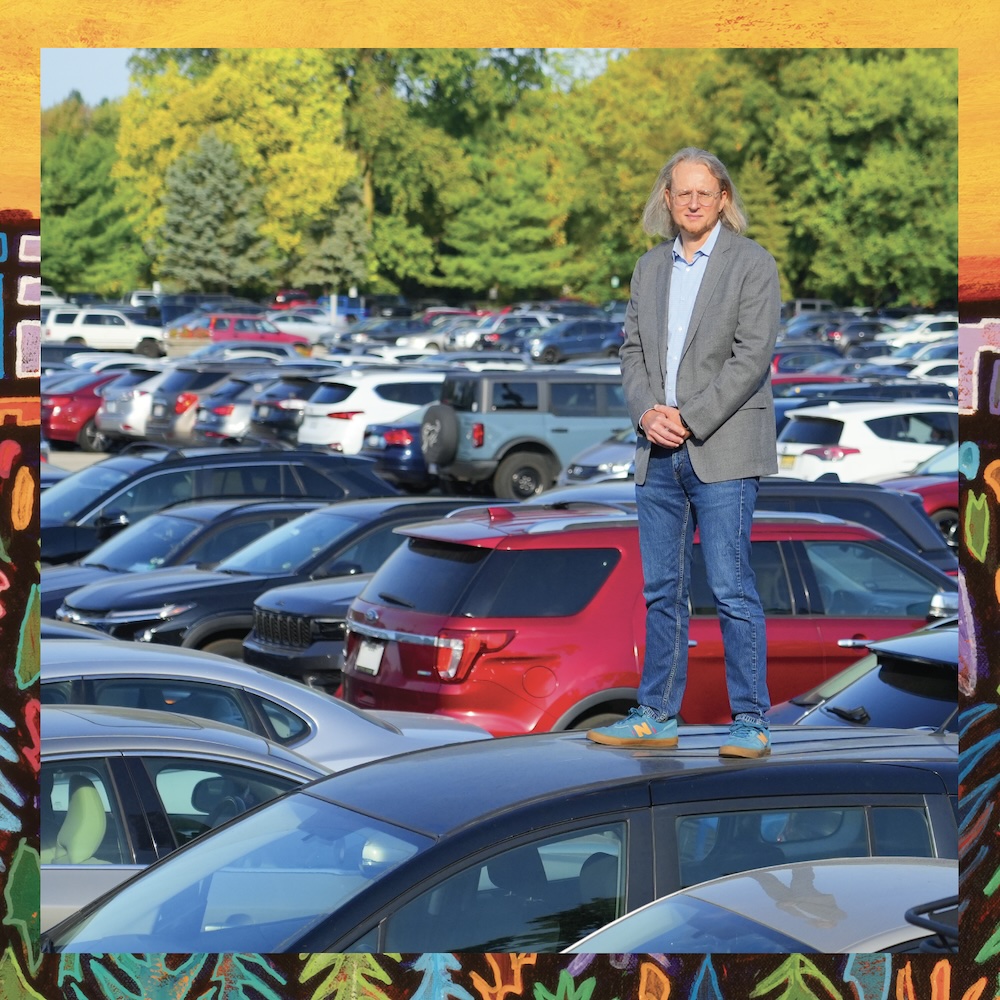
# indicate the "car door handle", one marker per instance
pixel 559 430
pixel 853 643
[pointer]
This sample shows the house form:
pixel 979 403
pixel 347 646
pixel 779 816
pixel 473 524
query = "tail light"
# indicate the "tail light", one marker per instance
pixel 223 411
pixel 490 338
pixel 398 437
pixel 832 453
pixel 457 650
pixel 185 401
pixel 346 414
pixel 478 435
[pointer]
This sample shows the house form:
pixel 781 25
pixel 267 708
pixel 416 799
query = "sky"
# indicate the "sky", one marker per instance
pixel 95 73
pixel 103 73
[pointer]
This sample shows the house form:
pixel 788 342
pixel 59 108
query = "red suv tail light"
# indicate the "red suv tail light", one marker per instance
pixel 478 435
pixel 832 453
pixel 185 401
pixel 398 437
pixel 457 650
pixel 346 414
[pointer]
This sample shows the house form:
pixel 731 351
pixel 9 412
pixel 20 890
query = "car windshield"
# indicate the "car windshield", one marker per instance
pixel 252 886
pixel 143 546
pixel 943 463
pixel 290 548
pixel 70 497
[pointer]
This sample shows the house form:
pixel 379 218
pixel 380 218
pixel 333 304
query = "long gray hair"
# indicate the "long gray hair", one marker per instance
pixel 656 219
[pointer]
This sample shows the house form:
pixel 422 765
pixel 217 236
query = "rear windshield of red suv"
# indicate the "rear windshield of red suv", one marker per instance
pixel 472 582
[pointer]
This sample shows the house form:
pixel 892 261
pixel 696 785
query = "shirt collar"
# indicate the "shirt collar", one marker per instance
pixel 706 250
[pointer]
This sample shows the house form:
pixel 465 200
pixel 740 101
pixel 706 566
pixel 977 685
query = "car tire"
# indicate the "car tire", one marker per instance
pixel 148 348
pixel 91 439
pixel 549 356
pixel 612 352
pixel 233 648
pixel 439 434
pixel 521 475
pixel 75 342
pixel 947 522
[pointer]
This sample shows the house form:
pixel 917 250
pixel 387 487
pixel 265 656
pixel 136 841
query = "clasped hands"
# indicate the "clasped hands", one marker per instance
pixel 662 425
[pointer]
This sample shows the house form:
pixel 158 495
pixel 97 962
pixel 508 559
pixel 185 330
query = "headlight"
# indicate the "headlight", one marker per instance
pixel 147 614
pixel 615 468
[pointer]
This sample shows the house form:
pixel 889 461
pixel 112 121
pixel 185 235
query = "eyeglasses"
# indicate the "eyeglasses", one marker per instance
pixel 686 197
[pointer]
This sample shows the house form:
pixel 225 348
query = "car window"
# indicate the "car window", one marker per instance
pixel 414 393
pixel 291 546
pixel 287 727
pixel 713 844
pixel 916 428
pixel 616 400
pixel 331 392
pixel 206 701
pixel 148 547
pixel 462 394
pixel 367 554
pixel 541 896
pixel 809 430
pixel 859 580
pixel 225 540
pixel 303 480
pixel 514 396
pixel 79 817
pixel 199 795
pixel 898 693
pixel 573 399
pixel 153 493
pixel 248 480
pixel 463 580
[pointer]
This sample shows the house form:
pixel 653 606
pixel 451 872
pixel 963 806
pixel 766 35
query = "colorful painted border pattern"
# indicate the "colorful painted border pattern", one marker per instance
pixel 971 26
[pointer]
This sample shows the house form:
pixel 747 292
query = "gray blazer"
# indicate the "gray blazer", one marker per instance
pixel 724 378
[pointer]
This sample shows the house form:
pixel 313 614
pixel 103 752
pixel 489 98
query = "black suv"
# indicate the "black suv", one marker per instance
pixel 213 609
pixel 91 504
pixel 896 514
pixel 511 432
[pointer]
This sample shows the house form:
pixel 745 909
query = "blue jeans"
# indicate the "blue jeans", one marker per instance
pixel 671 503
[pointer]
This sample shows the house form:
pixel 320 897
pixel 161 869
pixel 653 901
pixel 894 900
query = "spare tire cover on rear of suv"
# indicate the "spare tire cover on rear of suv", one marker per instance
pixel 439 434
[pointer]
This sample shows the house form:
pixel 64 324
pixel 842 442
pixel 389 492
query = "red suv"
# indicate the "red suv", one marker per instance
pixel 525 619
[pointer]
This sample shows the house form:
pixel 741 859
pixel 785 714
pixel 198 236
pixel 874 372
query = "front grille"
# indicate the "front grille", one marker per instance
pixel 293 631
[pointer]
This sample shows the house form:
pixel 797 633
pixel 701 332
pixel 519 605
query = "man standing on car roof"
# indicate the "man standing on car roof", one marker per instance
pixel 700 330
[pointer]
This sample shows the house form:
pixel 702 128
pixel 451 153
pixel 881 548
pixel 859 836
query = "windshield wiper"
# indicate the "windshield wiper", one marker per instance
pixel 395 600
pixel 859 714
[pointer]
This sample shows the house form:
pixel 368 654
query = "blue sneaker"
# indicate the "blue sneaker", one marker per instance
pixel 638 729
pixel 746 739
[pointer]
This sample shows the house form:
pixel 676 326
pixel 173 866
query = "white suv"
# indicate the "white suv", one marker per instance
pixel 858 441
pixel 344 404
pixel 107 329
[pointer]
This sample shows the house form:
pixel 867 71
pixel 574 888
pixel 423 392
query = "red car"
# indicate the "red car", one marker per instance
pixel 68 410
pixel 935 481
pixel 290 298
pixel 527 619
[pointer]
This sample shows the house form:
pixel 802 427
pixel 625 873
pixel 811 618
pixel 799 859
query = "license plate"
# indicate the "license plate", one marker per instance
pixel 787 461
pixel 263 411
pixel 110 407
pixel 369 657
pixel 159 409
pixel 375 441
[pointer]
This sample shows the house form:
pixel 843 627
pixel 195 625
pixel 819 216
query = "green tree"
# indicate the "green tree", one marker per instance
pixel 210 238
pixel 861 146
pixel 89 243
pixel 281 110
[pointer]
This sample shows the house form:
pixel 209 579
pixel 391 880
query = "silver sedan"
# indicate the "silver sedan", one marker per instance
pixel 305 719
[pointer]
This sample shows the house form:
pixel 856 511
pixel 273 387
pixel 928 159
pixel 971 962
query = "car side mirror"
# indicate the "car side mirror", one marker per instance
pixel 944 604
pixel 110 522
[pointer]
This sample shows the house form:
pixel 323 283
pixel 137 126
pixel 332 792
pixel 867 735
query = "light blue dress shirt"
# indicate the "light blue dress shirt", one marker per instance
pixel 685 280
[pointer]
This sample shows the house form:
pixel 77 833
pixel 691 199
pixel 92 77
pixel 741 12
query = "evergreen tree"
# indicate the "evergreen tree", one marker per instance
pixel 210 239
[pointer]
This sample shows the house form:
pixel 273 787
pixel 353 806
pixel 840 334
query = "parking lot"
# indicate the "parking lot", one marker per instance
pixel 448 555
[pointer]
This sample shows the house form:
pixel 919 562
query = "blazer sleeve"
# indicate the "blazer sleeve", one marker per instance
pixel 640 394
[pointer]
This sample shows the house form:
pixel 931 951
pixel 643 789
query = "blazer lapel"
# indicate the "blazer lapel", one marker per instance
pixel 664 266
pixel 716 265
